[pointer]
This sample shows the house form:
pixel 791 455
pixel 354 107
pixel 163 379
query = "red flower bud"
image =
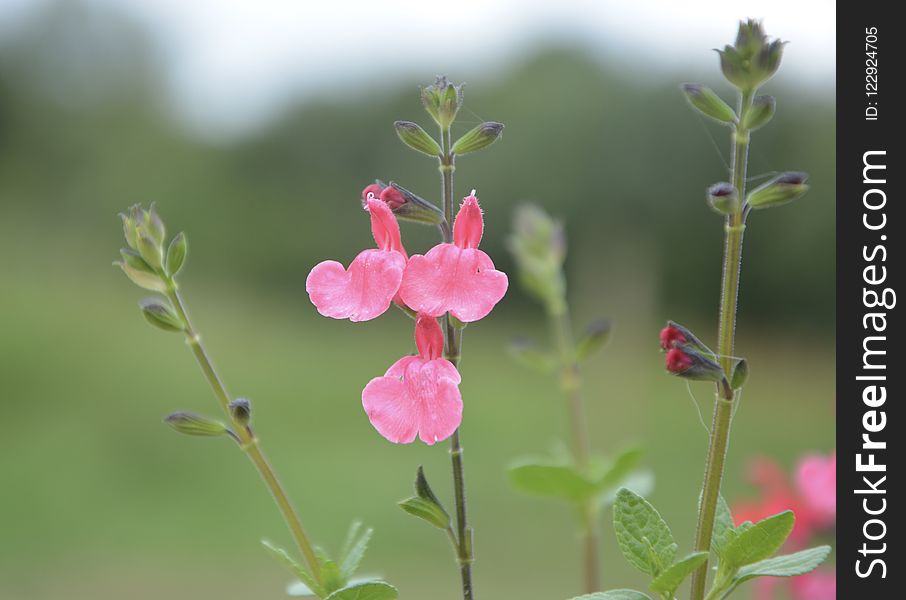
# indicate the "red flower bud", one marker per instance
pixel 678 361
pixel 670 336
pixel 393 197
pixel 375 189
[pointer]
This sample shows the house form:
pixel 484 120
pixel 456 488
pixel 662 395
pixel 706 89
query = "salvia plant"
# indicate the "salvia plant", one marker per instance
pixel 455 283
pixel 745 551
pixel 585 481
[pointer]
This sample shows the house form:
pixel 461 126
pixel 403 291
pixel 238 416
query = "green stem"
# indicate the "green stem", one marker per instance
pixel 571 385
pixel 452 352
pixel 248 442
pixel 723 405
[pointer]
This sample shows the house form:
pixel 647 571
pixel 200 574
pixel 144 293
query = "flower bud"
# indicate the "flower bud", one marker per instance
pixel 417 138
pixel 176 254
pixel 154 226
pixel 480 137
pixel 410 207
pixel 442 100
pixel 241 409
pixel 192 424
pixel 758 115
pixel 784 188
pixel 129 230
pixel 671 336
pixel 722 197
pixel 141 276
pixel 753 59
pixel 687 361
pixel 740 374
pixel 392 197
pixel 709 103
pixel 161 315
pixel 674 334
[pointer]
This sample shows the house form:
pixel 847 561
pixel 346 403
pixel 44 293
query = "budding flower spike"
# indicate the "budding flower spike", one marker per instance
pixel 457 278
pixel 365 290
pixel 418 395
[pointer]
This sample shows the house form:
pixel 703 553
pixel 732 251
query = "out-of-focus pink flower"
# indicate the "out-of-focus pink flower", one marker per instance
pixel 816 482
pixel 364 290
pixel 418 395
pixel 670 335
pixel 817 585
pixel 457 278
pixel 677 361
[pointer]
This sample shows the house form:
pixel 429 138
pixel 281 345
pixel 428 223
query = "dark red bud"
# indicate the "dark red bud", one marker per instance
pixel 678 361
pixel 670 336
pixel 393 197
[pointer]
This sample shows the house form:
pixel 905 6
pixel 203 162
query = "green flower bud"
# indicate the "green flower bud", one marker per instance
pixel 758 115
pixel 135 260
pixel 538 244
pixel 417 138
pixel 161 315
pixel 142 277
pixel 241 409
pixel 150 249
pixel 722 197
pixel 442 100
pixel 154 225
pixel 410 207
pixel 176 254
pixel 480 137
pixel 708 103
pixel 192 424
pixel 753 59
pixel 129 231
pixel 780 190
pixel 740 374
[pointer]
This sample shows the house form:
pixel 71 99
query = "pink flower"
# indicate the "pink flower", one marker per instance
pixel 817 585
pixel 391 196
pixel 457 278
pixel 816 481
pixel 418 395
pixel 364 290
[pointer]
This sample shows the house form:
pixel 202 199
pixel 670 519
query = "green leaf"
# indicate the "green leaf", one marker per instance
pixel 297 569
pixel 351 557
pixel 480 137
pixel 785 565
pixel 193 424
pixel 531 357
pixel 176 254
pixel 708 103
pixel 641 482
pixel 724 529
pixel 759 541
pixel 427 511
pixel 161 315
pixel 372 590
pixel 667 582
pixel 553 481
pixel 615 595
pixel 642 534
pixel 740 374
pixel 593 339
pixel 621 468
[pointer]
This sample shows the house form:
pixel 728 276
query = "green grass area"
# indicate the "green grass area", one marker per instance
pixel 100 500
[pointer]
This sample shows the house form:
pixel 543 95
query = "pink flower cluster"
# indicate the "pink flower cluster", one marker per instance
pixel 418 395
pixel 813 497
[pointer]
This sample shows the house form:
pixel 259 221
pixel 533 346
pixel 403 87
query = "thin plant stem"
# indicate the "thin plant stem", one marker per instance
pixel 571 385
pixel 452 352
pixel 248 441
pixel 723 405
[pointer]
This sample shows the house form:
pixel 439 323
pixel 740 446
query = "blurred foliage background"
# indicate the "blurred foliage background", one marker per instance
pixel 99 500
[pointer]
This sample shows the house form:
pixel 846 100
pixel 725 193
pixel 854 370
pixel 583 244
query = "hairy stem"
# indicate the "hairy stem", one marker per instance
pixel 248 441
pixel 571 385
pixel 723 405
pixel 452 352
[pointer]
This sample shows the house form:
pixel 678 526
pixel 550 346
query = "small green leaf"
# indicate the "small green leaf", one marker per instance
pixel 621 468
pixel 423 489
pixel 529 356
pixel 760 113
pixel 724 529
pixel 331 577
pixel 615 595
pixel 740 374
pixel 759 541
pixel 417 138
pixel 642 534
pixel 350 559
pixel 708 103
pixel 372 590
pixel 176 254
pixel 785 565
pixel 478 138
pixel 553 481
pixel 593 339
pixel 297 569
pixel 667 582
pixel 198 425
pixel 161 315
pixel 427 511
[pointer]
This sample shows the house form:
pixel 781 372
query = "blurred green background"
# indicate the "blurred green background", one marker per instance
pixel 98 499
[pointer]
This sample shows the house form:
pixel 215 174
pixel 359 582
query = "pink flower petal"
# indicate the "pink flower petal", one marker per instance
pixel 817 585
pixel 360 293
pixel 428 337
pixel 469 224
pixel 816 481
pixel 384 227
pixel 415 397
pixel 448 278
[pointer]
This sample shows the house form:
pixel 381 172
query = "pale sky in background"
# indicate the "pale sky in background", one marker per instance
pixel 231 63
